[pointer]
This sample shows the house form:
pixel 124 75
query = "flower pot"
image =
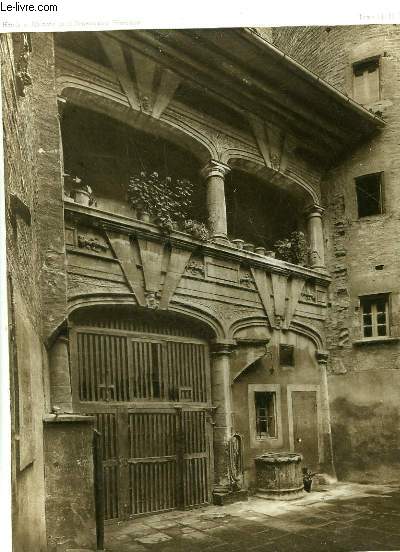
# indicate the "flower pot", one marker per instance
pixel 260 250
pixel 81 196
pixel 270 254
pixel 248 247
pixel 144 217
pixel 307 485
pixel 238 243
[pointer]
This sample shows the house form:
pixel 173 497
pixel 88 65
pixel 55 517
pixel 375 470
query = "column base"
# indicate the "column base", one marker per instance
pixel 221 497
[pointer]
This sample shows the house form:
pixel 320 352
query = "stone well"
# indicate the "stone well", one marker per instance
pixel 279 476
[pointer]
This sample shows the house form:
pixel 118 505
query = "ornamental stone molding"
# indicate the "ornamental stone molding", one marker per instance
pixel 94 86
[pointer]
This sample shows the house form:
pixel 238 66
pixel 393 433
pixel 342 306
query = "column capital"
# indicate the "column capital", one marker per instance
pixel 214 168
pixel 314 210
pixel 322 357
pixel 222 347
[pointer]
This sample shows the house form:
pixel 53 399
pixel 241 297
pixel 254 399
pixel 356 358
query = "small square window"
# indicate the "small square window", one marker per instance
pixel 375 316
pixel 366 81
pixel 369 195
pixel 286 355
pixel 265 404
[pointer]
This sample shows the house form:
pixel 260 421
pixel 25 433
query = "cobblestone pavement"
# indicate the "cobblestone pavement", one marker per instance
pixel 347 517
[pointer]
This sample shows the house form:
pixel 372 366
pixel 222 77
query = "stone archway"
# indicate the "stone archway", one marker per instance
pixel 145 377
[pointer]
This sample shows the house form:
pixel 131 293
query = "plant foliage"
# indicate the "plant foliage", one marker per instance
pixel 167 201
pixel 293 249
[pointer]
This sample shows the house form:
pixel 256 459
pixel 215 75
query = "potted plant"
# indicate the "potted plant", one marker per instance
pixel 166 202
pixel 293 249
pixel 308 479
pixel 197 229
pixel 80 193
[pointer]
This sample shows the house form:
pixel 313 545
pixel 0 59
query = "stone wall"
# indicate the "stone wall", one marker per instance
pixel 23 258
pixel 69 507
pixel 363 378
pixel 326 50
pixel 35 258
pixel 304 375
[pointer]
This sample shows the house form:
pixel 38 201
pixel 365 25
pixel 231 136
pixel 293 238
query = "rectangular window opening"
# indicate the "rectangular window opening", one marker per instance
pixel 369 195
pixel 366 81
pixel 286 355
pixel 375 316
pixel 265 404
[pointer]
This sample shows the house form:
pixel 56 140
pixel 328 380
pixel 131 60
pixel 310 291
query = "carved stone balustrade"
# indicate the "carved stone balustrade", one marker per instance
pixel 116 259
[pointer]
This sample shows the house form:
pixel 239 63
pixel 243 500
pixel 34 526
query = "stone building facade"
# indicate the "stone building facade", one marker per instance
pixel 361 253
pixel 189 356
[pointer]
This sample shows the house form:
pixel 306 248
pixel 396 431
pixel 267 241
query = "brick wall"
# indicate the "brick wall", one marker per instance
pixel 364 379
pixel 35 259
pixel 326 50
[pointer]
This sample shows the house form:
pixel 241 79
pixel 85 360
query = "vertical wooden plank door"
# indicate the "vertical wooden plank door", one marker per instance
pixel 196 489
pixel 152 461
pixel 305 426
pixel 149 396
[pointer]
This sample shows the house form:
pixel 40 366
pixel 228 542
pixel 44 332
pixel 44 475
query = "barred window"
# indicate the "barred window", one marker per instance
pixel 265 404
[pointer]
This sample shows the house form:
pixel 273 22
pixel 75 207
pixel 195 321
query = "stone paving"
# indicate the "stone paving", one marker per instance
pixel 342 518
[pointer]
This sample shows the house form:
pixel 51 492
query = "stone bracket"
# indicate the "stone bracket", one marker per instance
pixel 122 249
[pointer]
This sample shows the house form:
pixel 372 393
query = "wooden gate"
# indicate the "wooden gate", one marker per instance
pixel 150 396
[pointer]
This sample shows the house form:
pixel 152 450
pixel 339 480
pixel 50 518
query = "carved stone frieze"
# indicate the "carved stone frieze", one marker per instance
pixel 91 243
pixel 309 294
pixel 85 285
pixel 195 267
pixel 226 312
pixel 245 278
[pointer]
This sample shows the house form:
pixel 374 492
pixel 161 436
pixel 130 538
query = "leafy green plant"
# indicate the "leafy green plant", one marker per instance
pixel 293 249
pixel 167 201
pixel 197 229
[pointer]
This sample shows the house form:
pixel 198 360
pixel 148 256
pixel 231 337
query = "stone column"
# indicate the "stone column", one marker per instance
pixel 222 402
pixel 60 380
pixel 329 468
pixel 214 175
pixel 316 236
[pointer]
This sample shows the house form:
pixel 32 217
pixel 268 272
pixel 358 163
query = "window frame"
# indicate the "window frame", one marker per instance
pixel 266 417
pixel 357 179
pixel 274 442
pixel 374 299
pixel 365 63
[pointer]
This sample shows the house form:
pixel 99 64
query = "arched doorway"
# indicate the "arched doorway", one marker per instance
pixel 145 377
